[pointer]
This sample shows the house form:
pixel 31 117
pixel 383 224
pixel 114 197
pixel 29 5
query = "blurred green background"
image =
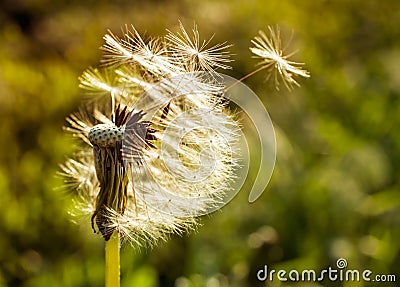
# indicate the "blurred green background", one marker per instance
pixel 335 191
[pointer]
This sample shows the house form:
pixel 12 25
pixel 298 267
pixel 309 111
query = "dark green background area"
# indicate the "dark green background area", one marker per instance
pixel 335 189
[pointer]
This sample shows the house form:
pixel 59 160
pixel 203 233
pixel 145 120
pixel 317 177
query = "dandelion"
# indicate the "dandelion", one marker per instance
pixel 158 143
pixel 269 49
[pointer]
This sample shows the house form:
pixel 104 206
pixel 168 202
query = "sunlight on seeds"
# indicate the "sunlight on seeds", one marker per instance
pixel 268 48
pixel 195 53
pixel 149 146
pixel 159 144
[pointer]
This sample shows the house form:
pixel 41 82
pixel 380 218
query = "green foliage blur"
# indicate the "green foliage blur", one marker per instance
pixel 335 191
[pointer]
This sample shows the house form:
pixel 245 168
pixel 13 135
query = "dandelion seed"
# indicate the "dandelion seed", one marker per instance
pixel 269 49
pixel 194 53
pixel 80 174
pixel 149 57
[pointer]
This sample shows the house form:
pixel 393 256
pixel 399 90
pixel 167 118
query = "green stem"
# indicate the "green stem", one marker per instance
pixel 112 261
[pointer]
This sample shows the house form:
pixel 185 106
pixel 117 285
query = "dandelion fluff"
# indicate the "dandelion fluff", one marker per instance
pixel 164 149
pixel 268 48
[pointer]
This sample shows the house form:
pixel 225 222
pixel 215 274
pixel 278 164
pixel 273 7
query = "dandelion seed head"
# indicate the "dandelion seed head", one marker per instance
pixel 159 143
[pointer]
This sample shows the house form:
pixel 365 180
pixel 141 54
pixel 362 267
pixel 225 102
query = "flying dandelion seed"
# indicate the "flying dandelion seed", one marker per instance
pixel 268 47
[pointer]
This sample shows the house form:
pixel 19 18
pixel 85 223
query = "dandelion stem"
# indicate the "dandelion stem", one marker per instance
pixel 245 77
pixel 252 73
pixel 112 261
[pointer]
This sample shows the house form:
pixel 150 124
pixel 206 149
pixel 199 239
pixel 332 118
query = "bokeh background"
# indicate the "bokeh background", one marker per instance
pixel 335 191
